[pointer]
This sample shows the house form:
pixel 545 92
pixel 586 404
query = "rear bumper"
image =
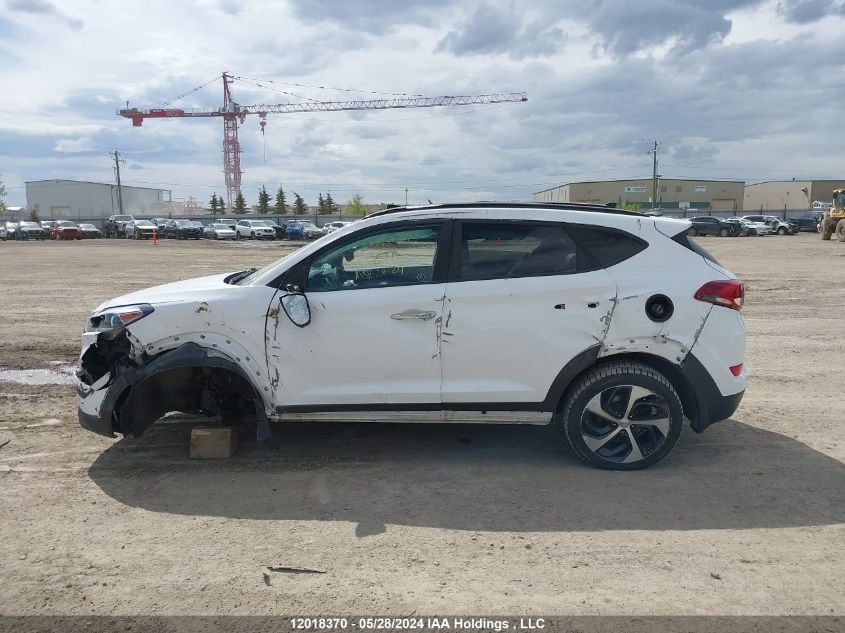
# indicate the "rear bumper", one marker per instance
pixel 711 405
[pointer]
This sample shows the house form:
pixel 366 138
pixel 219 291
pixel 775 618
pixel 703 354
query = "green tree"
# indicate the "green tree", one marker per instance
pixel 299 206
pixel 631 206
pixel 331 206
pixel 215 203
pixel 263 200
pixel 280 207
pixel 2 195
pixel 321 204
pixel 240 204
pixel 355 206
pixel 33 215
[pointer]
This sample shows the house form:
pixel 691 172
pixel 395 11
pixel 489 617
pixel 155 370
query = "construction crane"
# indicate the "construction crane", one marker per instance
pixel 234 113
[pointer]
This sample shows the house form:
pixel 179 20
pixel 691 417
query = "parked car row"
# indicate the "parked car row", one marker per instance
pixel 48 230
pixel 748 225
pixel 126 226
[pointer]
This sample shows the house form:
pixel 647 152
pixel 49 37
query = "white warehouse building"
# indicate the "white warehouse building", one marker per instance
pixel 80 200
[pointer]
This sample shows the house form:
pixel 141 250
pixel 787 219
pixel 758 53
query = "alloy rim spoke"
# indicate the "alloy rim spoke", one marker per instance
pixel 662 424
pixel 595 443
pixel 636 454
pixel 594 407
pixel 637 393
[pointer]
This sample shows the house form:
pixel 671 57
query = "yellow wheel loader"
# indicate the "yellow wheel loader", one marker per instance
pixel 833 221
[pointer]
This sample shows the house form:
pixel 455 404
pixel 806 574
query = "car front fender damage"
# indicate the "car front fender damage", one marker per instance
pixel 141 389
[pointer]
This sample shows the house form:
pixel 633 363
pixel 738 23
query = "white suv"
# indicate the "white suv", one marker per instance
pixel 611 324
pixel 254 229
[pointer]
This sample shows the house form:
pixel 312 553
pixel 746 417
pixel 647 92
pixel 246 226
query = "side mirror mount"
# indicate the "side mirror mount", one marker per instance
pixel 295 305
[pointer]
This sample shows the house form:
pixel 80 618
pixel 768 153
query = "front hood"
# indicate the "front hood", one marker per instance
pixel 188 290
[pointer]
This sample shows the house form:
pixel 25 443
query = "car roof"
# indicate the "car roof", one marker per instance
pixel 545 206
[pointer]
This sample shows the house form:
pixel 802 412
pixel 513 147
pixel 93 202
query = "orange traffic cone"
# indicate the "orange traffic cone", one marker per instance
pixel 155 240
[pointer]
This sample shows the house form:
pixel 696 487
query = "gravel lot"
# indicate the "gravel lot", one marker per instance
pixel 744 519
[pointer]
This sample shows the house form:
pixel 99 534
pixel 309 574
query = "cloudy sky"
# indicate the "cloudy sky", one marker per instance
pixel 733 89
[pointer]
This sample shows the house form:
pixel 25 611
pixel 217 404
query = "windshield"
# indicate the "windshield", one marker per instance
pixel 183 223
pixel 144 223
pixel 87 226
pixel 123 218
pixel 839 200
pixel 220 227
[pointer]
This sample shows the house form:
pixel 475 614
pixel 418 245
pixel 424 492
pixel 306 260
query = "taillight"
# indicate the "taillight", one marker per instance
pixel 736 370
pixel 729 293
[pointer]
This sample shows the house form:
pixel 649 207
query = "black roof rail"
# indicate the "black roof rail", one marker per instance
pixel 555 206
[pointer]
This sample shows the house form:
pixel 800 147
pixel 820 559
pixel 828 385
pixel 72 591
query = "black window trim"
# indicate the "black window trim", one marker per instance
pixel 457 236
pixel 298 274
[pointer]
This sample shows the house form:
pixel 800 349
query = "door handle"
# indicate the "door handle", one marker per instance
pixel 413 314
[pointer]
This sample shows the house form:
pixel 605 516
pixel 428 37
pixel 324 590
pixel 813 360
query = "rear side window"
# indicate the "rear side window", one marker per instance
pixel 683 239
pixel 499 250
pixel 606 247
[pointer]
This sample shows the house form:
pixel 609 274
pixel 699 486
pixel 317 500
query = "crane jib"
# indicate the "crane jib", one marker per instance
pixel 232 113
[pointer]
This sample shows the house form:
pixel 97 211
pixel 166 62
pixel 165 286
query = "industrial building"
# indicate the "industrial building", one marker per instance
pixel 80 200
pixel 711 195
pixel 781 195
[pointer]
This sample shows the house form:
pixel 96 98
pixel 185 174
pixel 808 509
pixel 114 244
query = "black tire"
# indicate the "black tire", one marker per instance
pixel 252 235
pixel 724 232
pixel 652 444
pixel 692 232
pixel 782 230
pixel 826 229
pixel 840 230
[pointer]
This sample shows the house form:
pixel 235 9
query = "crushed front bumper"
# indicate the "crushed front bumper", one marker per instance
pixel 92 397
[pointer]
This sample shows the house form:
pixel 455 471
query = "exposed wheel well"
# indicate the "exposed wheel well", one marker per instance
pixel 213 391
pixel 667 368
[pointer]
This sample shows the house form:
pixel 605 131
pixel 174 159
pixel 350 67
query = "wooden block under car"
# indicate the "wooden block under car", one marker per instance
pixel 213 443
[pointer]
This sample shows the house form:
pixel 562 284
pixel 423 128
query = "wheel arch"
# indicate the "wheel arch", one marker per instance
pixel 177 381
pixel 589 359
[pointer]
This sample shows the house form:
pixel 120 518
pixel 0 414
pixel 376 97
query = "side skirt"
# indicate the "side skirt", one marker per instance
pixel 422 417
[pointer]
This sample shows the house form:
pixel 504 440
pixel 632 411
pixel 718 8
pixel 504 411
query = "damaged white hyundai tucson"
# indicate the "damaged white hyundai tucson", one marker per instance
pixel 612 325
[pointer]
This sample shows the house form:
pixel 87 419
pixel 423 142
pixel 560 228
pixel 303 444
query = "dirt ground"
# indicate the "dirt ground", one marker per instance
pixel 744 519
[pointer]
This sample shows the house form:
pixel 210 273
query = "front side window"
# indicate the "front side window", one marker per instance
pixel 397 256
pixel 498 250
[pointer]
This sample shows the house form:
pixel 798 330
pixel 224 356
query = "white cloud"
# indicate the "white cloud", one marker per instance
pixel 74 145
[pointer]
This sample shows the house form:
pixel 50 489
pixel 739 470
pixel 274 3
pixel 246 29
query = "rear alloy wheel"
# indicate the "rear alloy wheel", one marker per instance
pixel 723 232
pixel 840 230
pixel 623 416
pixel 782 231
pixel 692 232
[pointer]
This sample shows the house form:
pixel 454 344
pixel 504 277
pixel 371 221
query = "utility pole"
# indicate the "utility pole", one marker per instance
pixel 653 153
pixel 117 162
pixel 406 196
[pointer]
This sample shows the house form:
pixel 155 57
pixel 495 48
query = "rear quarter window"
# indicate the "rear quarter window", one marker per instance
pixel 683 239
pixel 605 246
